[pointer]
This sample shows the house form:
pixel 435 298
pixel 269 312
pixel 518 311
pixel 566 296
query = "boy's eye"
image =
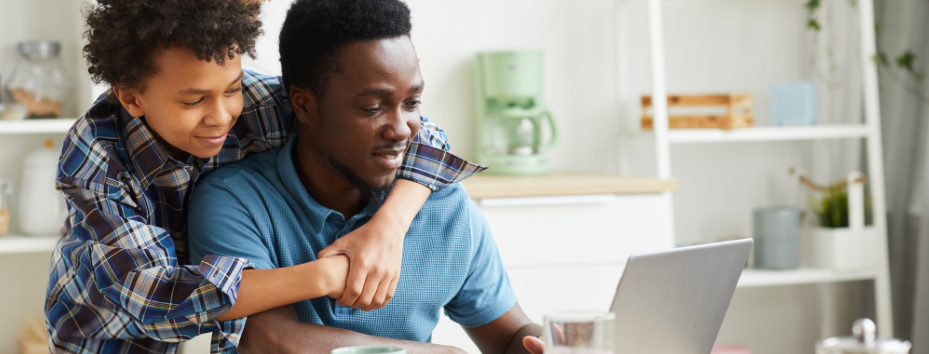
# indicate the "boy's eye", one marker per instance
pixel 194 104
pixel 414 104
pixel 235 90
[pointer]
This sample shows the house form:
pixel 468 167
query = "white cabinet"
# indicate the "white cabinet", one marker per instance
pixel 567 252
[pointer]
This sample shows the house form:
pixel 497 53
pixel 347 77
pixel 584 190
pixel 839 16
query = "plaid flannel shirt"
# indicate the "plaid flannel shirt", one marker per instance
pixel 119 280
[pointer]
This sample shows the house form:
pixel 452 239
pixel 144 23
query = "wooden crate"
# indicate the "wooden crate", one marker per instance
pixel 738 111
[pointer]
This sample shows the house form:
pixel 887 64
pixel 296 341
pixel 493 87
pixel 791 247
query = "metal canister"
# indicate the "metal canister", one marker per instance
pixel 863 341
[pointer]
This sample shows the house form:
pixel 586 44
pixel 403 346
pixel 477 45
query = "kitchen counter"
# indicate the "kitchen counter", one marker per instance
pixel 563 183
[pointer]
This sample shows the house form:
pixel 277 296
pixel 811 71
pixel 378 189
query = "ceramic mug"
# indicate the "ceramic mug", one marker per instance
pixel 373 349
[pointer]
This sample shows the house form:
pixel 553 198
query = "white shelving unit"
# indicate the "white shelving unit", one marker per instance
pixel 819 132
pixel 758 277
pixel 12 244
pixel 870 131
pixel 36 126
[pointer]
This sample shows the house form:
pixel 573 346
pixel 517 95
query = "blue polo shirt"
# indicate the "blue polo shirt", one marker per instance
pixel 259 210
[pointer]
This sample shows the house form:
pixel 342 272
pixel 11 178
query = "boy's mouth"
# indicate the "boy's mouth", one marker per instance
pixel 213 140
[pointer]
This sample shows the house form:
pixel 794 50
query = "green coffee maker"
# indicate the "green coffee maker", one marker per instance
pixel 511 113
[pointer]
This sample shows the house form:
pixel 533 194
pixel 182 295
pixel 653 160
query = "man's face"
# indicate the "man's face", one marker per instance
pixel 369 111
pixel 191 104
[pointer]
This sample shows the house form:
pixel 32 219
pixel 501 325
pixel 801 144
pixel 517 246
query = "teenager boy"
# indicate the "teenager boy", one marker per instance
pixel 355 85
pixel 180 107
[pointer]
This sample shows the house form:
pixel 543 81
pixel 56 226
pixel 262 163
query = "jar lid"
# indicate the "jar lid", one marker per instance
pixel 39 49
pixel 865 341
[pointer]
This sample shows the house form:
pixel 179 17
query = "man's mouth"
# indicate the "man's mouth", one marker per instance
pixel 389 159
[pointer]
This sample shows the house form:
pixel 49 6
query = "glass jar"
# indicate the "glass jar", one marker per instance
pixel 38 81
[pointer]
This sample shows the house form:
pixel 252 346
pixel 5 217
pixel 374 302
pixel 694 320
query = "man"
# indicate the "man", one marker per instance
pixel 355 86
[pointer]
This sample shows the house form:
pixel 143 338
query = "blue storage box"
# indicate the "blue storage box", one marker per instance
pixel 793 103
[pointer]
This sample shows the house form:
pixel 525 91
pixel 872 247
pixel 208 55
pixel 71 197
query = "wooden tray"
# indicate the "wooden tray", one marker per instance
pixel 738 111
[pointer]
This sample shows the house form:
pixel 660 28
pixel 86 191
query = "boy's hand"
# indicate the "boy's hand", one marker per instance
pixel 375 252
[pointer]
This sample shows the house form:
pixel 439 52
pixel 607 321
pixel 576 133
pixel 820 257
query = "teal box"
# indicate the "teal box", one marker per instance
pixel 793 103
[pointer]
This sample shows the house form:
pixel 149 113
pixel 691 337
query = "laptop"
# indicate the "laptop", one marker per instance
pixel 674 302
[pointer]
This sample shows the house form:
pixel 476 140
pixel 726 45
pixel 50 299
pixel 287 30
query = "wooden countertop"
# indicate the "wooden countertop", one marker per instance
pixel 563 183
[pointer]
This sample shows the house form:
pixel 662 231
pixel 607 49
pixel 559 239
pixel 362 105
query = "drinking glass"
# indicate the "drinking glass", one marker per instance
pixel 579 332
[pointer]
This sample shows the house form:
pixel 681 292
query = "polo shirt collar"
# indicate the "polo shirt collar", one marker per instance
pixel 318 214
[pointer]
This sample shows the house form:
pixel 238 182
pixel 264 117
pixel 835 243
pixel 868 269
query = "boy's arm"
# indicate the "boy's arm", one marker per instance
pixel 219 223
pixel 278 331
pixel 376 249
pixel 265 289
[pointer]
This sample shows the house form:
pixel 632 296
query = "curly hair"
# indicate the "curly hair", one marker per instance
pixel 315 30
pixel 125 35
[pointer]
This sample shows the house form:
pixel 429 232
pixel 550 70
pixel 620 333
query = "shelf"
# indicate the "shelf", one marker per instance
pixel 27 244
pixel 562 183
pixel 816 132
pixel 758 277
pixel 36 126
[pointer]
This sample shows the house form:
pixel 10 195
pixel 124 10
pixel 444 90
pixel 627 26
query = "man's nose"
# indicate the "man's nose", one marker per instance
pixel 402 124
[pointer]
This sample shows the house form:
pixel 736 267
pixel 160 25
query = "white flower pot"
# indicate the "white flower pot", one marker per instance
pixel 840 249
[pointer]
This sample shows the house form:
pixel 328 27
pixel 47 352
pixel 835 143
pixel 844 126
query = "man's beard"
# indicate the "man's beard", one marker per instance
pixel 369 192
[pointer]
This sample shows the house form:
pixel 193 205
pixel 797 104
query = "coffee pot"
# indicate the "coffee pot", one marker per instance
pixel 512 116
pixel 864 340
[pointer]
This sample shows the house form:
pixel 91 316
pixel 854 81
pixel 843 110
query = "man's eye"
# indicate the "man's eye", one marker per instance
pixel 235 90
pixel 194 104
pixel 371 110
pixel 413 104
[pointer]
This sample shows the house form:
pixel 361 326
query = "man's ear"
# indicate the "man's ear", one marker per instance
pixel 304 103
pixel 129 99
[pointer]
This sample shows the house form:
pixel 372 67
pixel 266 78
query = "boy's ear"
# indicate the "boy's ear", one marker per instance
pixel 129 100
pixel 304 104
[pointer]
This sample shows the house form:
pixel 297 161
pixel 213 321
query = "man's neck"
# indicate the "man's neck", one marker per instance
pixel 323 183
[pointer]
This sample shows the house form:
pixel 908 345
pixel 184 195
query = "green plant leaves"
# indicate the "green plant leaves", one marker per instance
pixel 905 61
pixel 813 25
pixel 812 5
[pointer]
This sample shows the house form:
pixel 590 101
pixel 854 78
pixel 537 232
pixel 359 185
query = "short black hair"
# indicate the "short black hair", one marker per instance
pixel 315 30
pixel 124 35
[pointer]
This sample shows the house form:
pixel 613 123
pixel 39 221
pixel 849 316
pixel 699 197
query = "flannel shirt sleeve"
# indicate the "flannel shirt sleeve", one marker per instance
pixel 429 162
pixel 110 250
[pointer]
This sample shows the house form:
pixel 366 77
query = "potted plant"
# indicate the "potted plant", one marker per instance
pixel 842 238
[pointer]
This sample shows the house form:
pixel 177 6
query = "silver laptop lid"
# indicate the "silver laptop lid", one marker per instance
pixel 674 302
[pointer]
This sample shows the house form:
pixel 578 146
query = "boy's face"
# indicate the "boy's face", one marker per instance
pixel 191 104
pixel 369 111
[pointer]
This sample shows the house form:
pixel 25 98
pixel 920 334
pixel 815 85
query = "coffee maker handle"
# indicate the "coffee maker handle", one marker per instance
pixel 547 115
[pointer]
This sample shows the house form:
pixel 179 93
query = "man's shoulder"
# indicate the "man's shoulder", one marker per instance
pixel 449 205
pixel 449 195
pixel 251 173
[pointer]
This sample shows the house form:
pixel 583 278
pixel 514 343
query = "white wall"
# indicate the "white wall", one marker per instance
pixel 577 37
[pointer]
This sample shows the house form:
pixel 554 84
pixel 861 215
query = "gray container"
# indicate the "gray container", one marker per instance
pixel 777 237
